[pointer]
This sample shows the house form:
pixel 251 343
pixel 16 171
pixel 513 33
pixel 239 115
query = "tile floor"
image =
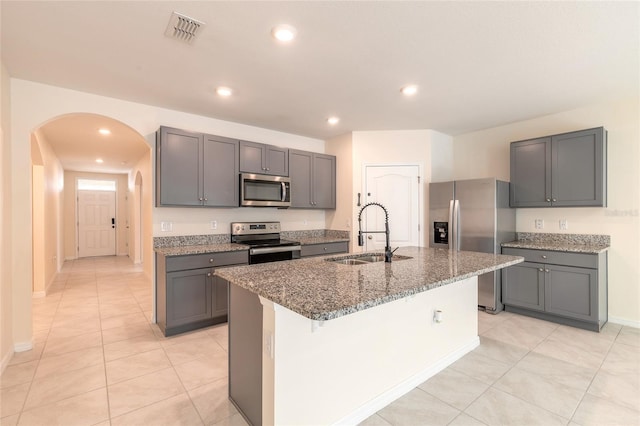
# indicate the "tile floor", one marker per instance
pixel 97 360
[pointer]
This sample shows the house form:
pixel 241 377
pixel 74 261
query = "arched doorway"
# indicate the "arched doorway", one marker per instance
pixel 64 149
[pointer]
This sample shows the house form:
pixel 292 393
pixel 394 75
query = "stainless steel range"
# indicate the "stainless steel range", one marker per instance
pixel 264 241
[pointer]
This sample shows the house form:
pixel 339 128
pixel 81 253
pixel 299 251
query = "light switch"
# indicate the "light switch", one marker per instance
pixel 166 226
pixel 564 225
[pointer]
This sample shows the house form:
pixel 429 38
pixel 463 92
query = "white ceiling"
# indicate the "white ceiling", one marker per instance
pixel 477 64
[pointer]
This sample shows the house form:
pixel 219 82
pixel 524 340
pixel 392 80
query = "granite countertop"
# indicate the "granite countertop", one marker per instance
pixel 200 249
pixel 321 290
pixel 572 243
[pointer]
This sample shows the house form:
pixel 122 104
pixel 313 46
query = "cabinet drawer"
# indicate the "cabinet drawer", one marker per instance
pixel 320 249
pixel 582 260
pixel 194 261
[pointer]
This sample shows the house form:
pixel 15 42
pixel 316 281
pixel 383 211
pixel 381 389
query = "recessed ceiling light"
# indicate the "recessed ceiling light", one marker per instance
pixel 99 160
pixel 104 131
pixel 333 120
pixel 224 91
pixel 284 33
pixel 409 90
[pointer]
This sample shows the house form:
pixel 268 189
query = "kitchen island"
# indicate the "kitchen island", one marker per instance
pixel 313 341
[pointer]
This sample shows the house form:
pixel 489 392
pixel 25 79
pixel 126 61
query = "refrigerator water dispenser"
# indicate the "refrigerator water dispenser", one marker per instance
pixel 441 232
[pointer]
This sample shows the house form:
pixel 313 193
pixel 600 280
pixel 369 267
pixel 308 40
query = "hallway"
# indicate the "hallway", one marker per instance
pixel 97 359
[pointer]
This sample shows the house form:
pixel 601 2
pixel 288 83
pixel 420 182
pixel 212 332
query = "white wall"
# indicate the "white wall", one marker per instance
pixel 6 289
pixel 51 217
pixel 33 104
pixel 342 147
pixel 486 153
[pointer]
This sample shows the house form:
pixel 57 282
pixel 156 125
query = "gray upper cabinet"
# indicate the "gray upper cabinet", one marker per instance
pixel 313 180
pixel 178 168
pixel 566 170
pixel 195 169
pixel 220 177
pixel 263 159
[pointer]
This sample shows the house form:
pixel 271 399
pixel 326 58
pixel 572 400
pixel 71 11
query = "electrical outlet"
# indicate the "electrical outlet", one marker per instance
pixel 563 225
pixel 539 223
pixel 214 224
pixel 166 226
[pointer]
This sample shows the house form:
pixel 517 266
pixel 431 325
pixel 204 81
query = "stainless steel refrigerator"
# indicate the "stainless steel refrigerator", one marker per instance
pixel 473 215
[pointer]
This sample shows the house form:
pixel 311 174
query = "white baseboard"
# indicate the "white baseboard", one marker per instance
pixel 381 401
pixel 38 294
pixel 5 361
pixel 23 346
pixel 623 321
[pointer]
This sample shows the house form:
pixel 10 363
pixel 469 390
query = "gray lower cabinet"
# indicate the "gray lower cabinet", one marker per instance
pixel 263 159
pixel 188 294
pixel 569 288
pixel 196 169
pixel 322 249
pixel 565 170
pixel 313 180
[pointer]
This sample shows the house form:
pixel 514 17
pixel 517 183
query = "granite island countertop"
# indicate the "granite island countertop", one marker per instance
pixel 571 243
pixel 322 290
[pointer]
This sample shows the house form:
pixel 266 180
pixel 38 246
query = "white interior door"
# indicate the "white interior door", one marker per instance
pixel 96 223
pixel 398 189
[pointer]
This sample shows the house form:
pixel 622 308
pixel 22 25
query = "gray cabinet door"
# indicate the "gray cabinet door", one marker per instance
pixel 189 296
pixel 220 297
pixel 220 171
pixel 263 159
pixel 531 173
pixel 277 161
pixel 252 157
pixel 178 168
pixel 523 285
pixel 324 181
pixel 571 292
pixel 578 168
pixel 300 165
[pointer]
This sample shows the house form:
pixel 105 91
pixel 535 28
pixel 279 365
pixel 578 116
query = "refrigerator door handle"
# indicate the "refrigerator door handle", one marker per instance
pixel 453 228
pixel 454 220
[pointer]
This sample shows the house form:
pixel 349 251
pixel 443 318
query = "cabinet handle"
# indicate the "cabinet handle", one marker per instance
pixel 544 256
pixel 211 260
pixel 208 274
pixel 267 169
pixel 200 199
pixel 548 200
pixel 325 249
pixel 541 270
pixel 546 270
pixel 554 200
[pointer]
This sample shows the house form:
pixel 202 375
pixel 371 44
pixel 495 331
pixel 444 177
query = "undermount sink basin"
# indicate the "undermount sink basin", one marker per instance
pixel 364 259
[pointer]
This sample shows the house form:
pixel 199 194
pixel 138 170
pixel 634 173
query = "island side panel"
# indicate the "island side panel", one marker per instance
pixel 352 366
pixel 245 353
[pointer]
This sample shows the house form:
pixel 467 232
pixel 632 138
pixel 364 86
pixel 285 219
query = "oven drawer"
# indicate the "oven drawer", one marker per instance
pixel 195 261
pixel 321 249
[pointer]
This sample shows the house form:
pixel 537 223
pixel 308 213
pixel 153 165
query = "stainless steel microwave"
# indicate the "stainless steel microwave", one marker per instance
pixel 265 191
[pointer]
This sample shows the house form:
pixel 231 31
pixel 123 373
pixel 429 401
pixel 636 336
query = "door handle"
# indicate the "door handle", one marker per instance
pixel 370 237
pixel 113 222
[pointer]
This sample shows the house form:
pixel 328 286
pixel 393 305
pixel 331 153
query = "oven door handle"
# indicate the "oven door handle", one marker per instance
pixel 266 250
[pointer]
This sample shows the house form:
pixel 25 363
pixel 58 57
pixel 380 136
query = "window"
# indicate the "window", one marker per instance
pixel 96 185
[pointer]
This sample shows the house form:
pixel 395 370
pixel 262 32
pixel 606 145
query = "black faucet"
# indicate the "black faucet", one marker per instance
pixel 388 254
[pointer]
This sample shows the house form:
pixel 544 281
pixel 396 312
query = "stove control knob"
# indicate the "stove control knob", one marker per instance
pixel 237 227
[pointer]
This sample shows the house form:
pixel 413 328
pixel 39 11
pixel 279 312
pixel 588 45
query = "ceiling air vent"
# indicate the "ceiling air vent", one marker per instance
pixel 183 28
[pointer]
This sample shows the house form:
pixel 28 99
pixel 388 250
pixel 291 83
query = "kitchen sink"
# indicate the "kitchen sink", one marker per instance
pixel 364 259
